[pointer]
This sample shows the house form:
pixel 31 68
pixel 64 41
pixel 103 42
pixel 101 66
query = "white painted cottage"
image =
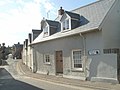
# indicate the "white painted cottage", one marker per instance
pixel 83 43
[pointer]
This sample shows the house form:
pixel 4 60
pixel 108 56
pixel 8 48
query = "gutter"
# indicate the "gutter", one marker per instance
pixel 54 37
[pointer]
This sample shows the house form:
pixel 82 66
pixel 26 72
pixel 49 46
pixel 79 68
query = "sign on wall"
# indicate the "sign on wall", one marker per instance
pixel 94 52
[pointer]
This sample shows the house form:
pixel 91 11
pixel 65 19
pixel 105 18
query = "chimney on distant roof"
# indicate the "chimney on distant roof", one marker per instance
pixel 30 37
pixel 61 11
pixel 26 43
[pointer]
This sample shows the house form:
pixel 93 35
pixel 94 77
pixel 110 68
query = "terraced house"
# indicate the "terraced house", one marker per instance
pixel 27 54
pixel 82 44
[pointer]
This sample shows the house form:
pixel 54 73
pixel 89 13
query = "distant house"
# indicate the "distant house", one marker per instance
pixel 17 51
pixel 83 43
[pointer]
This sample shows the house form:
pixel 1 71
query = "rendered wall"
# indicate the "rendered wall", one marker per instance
pixel 66 44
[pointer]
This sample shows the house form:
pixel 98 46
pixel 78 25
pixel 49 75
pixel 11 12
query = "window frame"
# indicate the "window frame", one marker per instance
pixel 46 61
pixel 65 25
pixel 73 64
pixel 46 28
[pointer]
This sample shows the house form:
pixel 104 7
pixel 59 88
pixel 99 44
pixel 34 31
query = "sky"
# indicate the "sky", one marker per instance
pixel 19 17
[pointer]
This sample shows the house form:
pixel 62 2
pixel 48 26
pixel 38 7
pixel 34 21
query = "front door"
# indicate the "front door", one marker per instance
pixel 59 62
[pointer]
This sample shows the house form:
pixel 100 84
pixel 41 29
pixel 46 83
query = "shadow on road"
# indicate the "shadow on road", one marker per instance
pixel 7 82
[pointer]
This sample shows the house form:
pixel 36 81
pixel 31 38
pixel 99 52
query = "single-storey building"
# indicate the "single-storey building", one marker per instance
pixel 83 43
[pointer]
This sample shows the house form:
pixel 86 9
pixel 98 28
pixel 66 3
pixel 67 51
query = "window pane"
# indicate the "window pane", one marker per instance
pixel 77 59
pixel 64 25
pixel 47 58
pixel 77 65
pixel 46 31
pixel 67 24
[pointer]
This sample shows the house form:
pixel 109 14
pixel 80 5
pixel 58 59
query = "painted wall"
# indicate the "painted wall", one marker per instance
pixel 23 55
pixel 30 58
pixel 104 68
pixel 99 67
pixel 34 59
pixel 96 66
pixel 66 44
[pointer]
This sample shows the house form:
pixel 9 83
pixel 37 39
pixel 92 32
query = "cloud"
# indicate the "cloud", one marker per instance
pixel 17 22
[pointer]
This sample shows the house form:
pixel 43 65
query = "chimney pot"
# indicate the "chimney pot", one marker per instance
pixel 61 11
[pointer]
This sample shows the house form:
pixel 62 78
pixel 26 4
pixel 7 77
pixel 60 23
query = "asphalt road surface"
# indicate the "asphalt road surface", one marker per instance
pixel 11 79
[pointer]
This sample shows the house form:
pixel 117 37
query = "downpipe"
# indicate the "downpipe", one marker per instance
pixel 84 58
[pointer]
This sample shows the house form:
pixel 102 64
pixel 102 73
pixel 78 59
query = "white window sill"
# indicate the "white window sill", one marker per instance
pixel 66 30
pixel 47 63
pixel 46 36
pixel 77 70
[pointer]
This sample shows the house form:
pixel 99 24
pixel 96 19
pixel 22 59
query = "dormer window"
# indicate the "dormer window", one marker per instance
pixel 69 21
pixel 46 31
pixel 65 24
pixel 49 27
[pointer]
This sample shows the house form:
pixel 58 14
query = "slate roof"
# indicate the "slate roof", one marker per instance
pixel 18 45
pixel 52 23
pixel 35 31
pixel 73 15
pixel 94 13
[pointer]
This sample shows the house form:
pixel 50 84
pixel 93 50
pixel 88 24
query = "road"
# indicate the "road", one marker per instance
pixel 11 79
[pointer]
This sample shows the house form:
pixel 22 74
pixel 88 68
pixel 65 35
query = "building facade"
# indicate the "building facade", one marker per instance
pixel 17 51
pixel 81 44
pixel 27 54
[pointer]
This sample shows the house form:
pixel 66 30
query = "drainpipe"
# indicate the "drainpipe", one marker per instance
pixel 84 53
pixel 84 44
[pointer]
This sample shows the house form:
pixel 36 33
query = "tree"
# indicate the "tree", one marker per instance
pixel 3 48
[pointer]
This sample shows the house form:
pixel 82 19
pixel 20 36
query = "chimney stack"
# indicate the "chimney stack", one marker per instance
pixel 61 11
pixel 30 37
pixel 26 43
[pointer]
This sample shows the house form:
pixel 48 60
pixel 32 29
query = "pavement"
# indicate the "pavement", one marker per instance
pixel 24 70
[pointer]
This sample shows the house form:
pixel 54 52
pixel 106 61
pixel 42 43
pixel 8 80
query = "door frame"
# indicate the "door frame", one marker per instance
pixel 56 61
